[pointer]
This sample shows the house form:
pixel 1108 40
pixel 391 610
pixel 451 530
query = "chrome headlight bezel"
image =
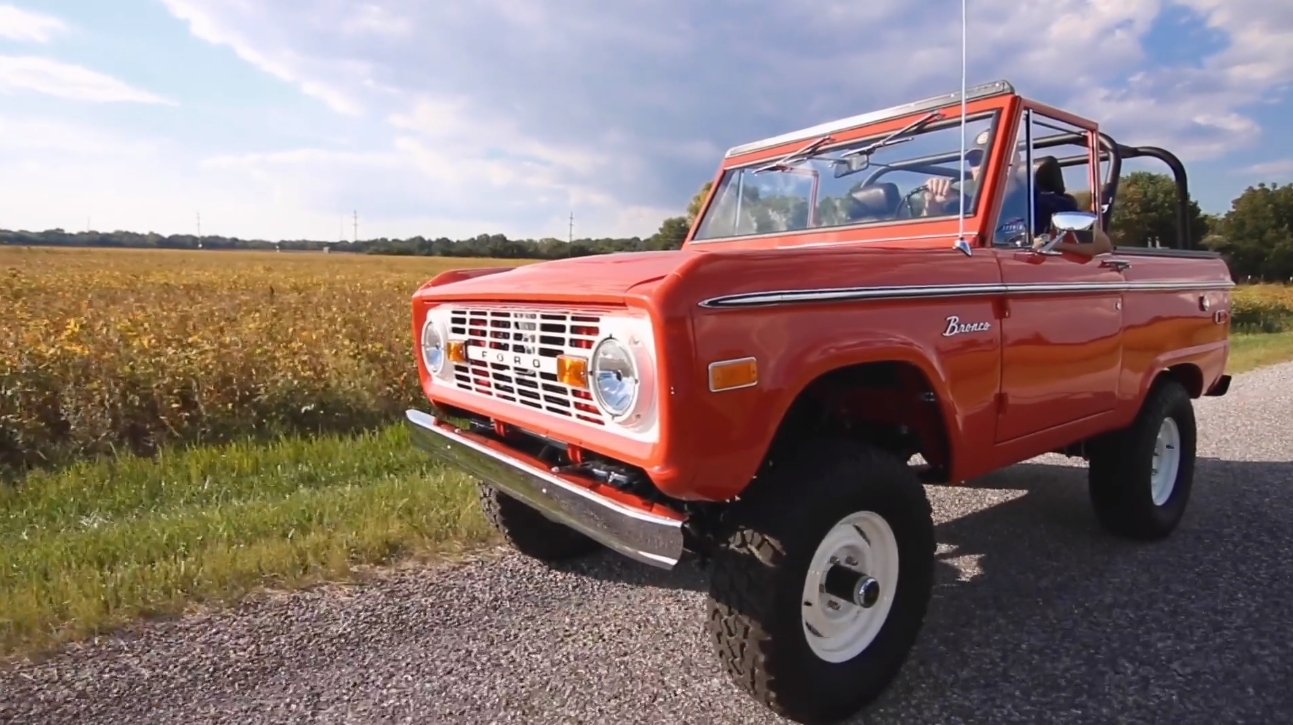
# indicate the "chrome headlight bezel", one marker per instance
pixel 434 332
pixel 623 351
pixel 636 334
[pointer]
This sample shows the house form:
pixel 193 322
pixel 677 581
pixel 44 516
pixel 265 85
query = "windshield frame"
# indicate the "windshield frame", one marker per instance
pixel 857 138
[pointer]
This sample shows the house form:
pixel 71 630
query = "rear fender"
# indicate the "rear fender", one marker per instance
pixel 1185 366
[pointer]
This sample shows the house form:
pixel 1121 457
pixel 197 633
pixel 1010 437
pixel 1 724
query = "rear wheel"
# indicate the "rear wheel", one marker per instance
pixel 1140 477
pixel 529 531
pixel 819 593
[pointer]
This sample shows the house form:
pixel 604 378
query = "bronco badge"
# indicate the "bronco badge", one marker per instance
pixel 955 327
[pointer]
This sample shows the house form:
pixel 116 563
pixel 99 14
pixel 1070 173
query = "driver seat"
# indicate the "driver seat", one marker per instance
pixel 1048 176
pixel 873 202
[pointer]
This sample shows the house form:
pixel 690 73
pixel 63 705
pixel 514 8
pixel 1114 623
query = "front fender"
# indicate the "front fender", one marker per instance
pixel 730 438
pixel 449 276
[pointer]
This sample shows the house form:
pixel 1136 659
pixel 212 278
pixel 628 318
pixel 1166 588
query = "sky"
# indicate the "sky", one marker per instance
pixel 279 119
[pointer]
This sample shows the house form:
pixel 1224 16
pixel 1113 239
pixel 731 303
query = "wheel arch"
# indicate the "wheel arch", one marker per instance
pixel 1189 375
pixel 870 397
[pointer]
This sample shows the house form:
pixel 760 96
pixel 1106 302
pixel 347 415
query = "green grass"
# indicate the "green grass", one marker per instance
pixel 93 546
pixel 1250 351
pixel 98 544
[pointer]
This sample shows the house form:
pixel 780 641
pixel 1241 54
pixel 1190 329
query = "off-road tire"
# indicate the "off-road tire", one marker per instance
pixel 1119 476
pixel 529 531
pixel 758 576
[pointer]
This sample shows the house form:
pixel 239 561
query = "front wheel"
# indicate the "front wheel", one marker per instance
pixel 1140 477
pixel 530 532
pixel 819 593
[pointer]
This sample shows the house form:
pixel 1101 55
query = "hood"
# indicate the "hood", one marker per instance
pixel 594 278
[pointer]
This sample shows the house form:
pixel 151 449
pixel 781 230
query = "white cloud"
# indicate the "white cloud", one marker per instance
pixel 249 30
pixel 1207 106
pixel 503 115
pixel 1280 168
pixel 32 138
pixel 71 82
pixel 1260 54
pixel 27 26
pixel 376 20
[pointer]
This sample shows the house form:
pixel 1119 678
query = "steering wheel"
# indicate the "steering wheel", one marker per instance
pixel 954 190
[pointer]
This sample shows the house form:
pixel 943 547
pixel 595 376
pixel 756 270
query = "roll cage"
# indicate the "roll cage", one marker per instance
pixel 1110 151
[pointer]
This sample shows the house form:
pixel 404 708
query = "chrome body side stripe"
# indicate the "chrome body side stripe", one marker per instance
pixel 903 292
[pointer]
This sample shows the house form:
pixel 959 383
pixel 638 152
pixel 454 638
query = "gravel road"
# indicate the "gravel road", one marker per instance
pixel 1037 617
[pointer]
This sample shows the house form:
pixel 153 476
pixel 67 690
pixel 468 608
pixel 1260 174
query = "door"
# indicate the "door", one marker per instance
pixel 1061 340
pixel 1061 331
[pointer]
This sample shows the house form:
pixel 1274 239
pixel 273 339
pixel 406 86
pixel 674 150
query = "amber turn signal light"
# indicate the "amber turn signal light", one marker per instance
pixel 733 374
pixel 572 371
pixel 457 350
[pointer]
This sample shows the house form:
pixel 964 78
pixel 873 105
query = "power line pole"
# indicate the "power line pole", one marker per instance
pixel 356 225
pixel 199 225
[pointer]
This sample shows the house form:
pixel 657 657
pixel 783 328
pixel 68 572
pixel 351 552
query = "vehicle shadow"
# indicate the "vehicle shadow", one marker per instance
pixel 1037 613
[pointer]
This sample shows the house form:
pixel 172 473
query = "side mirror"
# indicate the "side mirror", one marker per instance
pixel 1077 225
pixel 1073 221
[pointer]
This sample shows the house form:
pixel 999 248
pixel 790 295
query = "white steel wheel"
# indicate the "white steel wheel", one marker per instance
pixel 863 549
pixel 1166 461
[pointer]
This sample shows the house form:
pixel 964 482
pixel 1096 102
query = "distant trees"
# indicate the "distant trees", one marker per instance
pixel 673 231
pixel 482 245
pixel 1144 213
pixel 1255 235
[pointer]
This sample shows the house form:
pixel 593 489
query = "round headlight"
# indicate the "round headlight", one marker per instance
pixel 615 377
pixel 433 353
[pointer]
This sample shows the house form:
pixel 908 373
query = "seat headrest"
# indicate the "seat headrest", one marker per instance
pixel 1049 175
pixel 875 200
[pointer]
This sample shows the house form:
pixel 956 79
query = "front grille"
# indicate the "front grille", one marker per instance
pixel 530 332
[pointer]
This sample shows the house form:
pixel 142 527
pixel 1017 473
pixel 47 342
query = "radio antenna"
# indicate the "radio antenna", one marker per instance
pixel 961 242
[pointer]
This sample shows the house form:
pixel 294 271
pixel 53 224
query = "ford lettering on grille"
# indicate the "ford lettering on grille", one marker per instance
pixel 512 355
pixel 520 361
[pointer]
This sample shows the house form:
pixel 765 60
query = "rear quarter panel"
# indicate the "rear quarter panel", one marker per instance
pixel 1186 321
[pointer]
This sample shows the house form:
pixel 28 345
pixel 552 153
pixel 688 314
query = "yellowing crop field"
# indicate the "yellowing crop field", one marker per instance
pixel 126 350
pixel 1262 308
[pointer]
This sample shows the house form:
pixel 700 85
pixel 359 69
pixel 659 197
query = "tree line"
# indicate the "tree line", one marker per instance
pixel 1255 236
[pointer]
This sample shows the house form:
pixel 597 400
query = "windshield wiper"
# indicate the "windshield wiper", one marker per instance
pixel 785 162
pixel 803 154
pixel 897 137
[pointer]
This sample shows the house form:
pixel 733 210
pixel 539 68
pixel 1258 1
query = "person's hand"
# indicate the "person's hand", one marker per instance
pixel 940 189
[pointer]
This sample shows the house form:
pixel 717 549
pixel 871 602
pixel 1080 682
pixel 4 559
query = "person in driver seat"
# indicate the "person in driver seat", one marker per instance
pixel 1049 197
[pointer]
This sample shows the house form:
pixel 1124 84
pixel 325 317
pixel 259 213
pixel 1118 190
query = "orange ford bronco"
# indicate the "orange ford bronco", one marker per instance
pixel 771 397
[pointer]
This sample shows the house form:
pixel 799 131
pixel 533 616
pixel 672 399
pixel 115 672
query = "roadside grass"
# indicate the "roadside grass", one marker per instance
pixel 1251 351
pixel 95 545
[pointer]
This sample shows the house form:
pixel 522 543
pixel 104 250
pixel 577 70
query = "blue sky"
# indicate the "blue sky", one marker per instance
pixel 276 119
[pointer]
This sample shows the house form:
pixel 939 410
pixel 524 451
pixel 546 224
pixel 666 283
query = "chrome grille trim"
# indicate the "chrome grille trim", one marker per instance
pixel 532 332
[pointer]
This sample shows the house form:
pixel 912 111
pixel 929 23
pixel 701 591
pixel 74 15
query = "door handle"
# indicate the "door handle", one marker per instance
pixel 1118 264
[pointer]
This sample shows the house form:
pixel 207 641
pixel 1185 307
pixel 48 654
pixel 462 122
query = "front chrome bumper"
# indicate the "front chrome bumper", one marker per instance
pixel 651 536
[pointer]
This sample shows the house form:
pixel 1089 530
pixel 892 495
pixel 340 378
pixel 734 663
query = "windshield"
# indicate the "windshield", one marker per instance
pixel 831 187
